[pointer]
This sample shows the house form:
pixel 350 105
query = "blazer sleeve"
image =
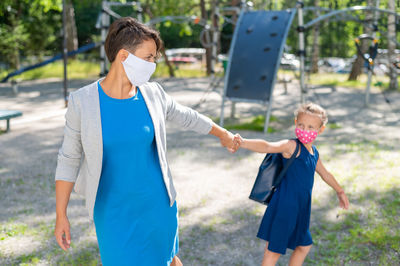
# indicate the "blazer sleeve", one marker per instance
pixel 70 153
pixel 184 116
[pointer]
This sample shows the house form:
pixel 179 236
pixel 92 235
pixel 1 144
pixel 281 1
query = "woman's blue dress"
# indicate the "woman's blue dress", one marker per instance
pixel 286 221
pixel 135 224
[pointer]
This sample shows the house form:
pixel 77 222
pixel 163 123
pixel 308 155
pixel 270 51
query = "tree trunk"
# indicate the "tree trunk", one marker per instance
pixel 72 35
pixel 208 50
pixel 358 64
pixel 315 47
pixel 391 34
pixel 215 32
pixel 171 70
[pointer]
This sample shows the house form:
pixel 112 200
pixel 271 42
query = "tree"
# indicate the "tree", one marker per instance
pixel 208 49
pixel 315 46
pixel 356 69
pixel 28 27
pixel 72 35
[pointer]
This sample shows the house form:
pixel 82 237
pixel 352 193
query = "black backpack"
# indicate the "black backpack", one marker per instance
pixel 270 175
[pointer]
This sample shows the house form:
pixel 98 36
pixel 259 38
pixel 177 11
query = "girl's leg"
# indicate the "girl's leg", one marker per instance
pixel 270 258
pixel 176 262
pixel 299 255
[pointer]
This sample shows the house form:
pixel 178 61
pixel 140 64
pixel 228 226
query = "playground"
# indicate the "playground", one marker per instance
pixel 218 222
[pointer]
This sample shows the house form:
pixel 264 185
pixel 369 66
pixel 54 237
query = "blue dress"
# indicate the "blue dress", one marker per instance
pixel 135 224
pixel 286 221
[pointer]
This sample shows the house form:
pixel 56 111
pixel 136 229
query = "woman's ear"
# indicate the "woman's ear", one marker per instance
pixel 122 55
pixel 295 121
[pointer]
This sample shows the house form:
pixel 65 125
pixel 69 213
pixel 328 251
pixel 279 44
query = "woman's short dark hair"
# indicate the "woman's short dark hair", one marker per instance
pixel 128 33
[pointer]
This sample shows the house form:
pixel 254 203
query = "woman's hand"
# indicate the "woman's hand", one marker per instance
pixel 62 232
pixel 343 200
pixel 226 140
pixel 237 140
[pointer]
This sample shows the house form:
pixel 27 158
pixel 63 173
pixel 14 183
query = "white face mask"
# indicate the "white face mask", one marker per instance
pixel 138 70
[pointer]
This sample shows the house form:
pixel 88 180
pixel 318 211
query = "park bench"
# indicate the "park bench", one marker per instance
pixel 7 115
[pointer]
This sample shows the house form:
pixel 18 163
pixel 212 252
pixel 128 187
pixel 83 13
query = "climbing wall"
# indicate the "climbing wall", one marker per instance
pixel 255 54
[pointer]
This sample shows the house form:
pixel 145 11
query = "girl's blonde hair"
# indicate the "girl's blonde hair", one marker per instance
pixel 312 109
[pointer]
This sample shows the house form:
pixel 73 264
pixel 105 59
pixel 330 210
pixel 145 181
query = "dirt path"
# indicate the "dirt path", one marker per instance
pixel 218 223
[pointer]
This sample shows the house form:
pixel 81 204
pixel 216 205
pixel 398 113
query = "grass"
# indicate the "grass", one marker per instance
pixel 78 69
pixel 255 123
pixel 341 80
pixel 333 125
pixel 369 232
pixel 12 229
pixel 181 71
pixel 362 234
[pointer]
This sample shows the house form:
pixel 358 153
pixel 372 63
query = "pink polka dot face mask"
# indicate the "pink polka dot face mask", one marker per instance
pixel 305 136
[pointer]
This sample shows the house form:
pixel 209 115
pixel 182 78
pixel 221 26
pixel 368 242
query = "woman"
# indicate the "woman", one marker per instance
pixel 114 153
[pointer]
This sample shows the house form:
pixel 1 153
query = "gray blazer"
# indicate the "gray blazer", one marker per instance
pixel 81 153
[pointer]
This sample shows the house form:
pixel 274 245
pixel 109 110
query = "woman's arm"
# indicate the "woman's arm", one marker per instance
pixel 331 181
pixel 62 229
pixel 190 119
pixel 184 116
pixel 68 162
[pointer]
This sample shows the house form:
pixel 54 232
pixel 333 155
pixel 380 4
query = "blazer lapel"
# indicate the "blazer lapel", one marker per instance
pixel 96 116
pixel 150 106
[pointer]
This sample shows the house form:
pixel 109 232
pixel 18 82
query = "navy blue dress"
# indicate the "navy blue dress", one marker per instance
pixel 286 221
pixel 135 224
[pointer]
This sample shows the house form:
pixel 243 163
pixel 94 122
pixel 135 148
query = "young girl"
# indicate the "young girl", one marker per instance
pixel 286 221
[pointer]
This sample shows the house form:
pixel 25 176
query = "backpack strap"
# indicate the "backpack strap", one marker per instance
pixel 283 172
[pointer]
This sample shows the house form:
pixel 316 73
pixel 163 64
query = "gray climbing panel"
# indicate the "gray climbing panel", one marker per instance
pixel 255 54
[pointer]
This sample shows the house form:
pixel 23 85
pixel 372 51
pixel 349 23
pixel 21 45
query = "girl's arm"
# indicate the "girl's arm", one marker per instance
pixel 262 146
pixel 331 181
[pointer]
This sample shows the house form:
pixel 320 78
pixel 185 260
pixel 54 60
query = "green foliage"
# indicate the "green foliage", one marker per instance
pixel 31 29
pixel 28 28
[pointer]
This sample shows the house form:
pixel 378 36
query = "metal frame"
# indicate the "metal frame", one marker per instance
pixel 104 19
pixel 233 99
pixel 301 8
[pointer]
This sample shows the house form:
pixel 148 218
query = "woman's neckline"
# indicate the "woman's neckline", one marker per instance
pixel 116 99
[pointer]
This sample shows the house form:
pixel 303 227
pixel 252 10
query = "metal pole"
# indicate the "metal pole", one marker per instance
pixel 371 66
pixel 65 51
pixel 140 12
pixel 214 48
pixel 267 116
pixel 300 29
pixel 103 25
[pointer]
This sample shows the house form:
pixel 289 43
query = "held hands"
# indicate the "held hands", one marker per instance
pixel 343 200
pixel 231 142
pixel 238 140
pixel 226 140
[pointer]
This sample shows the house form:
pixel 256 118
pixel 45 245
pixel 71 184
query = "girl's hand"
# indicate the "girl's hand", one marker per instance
pixel 343 200
pixel 62 232
pixel 238 140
